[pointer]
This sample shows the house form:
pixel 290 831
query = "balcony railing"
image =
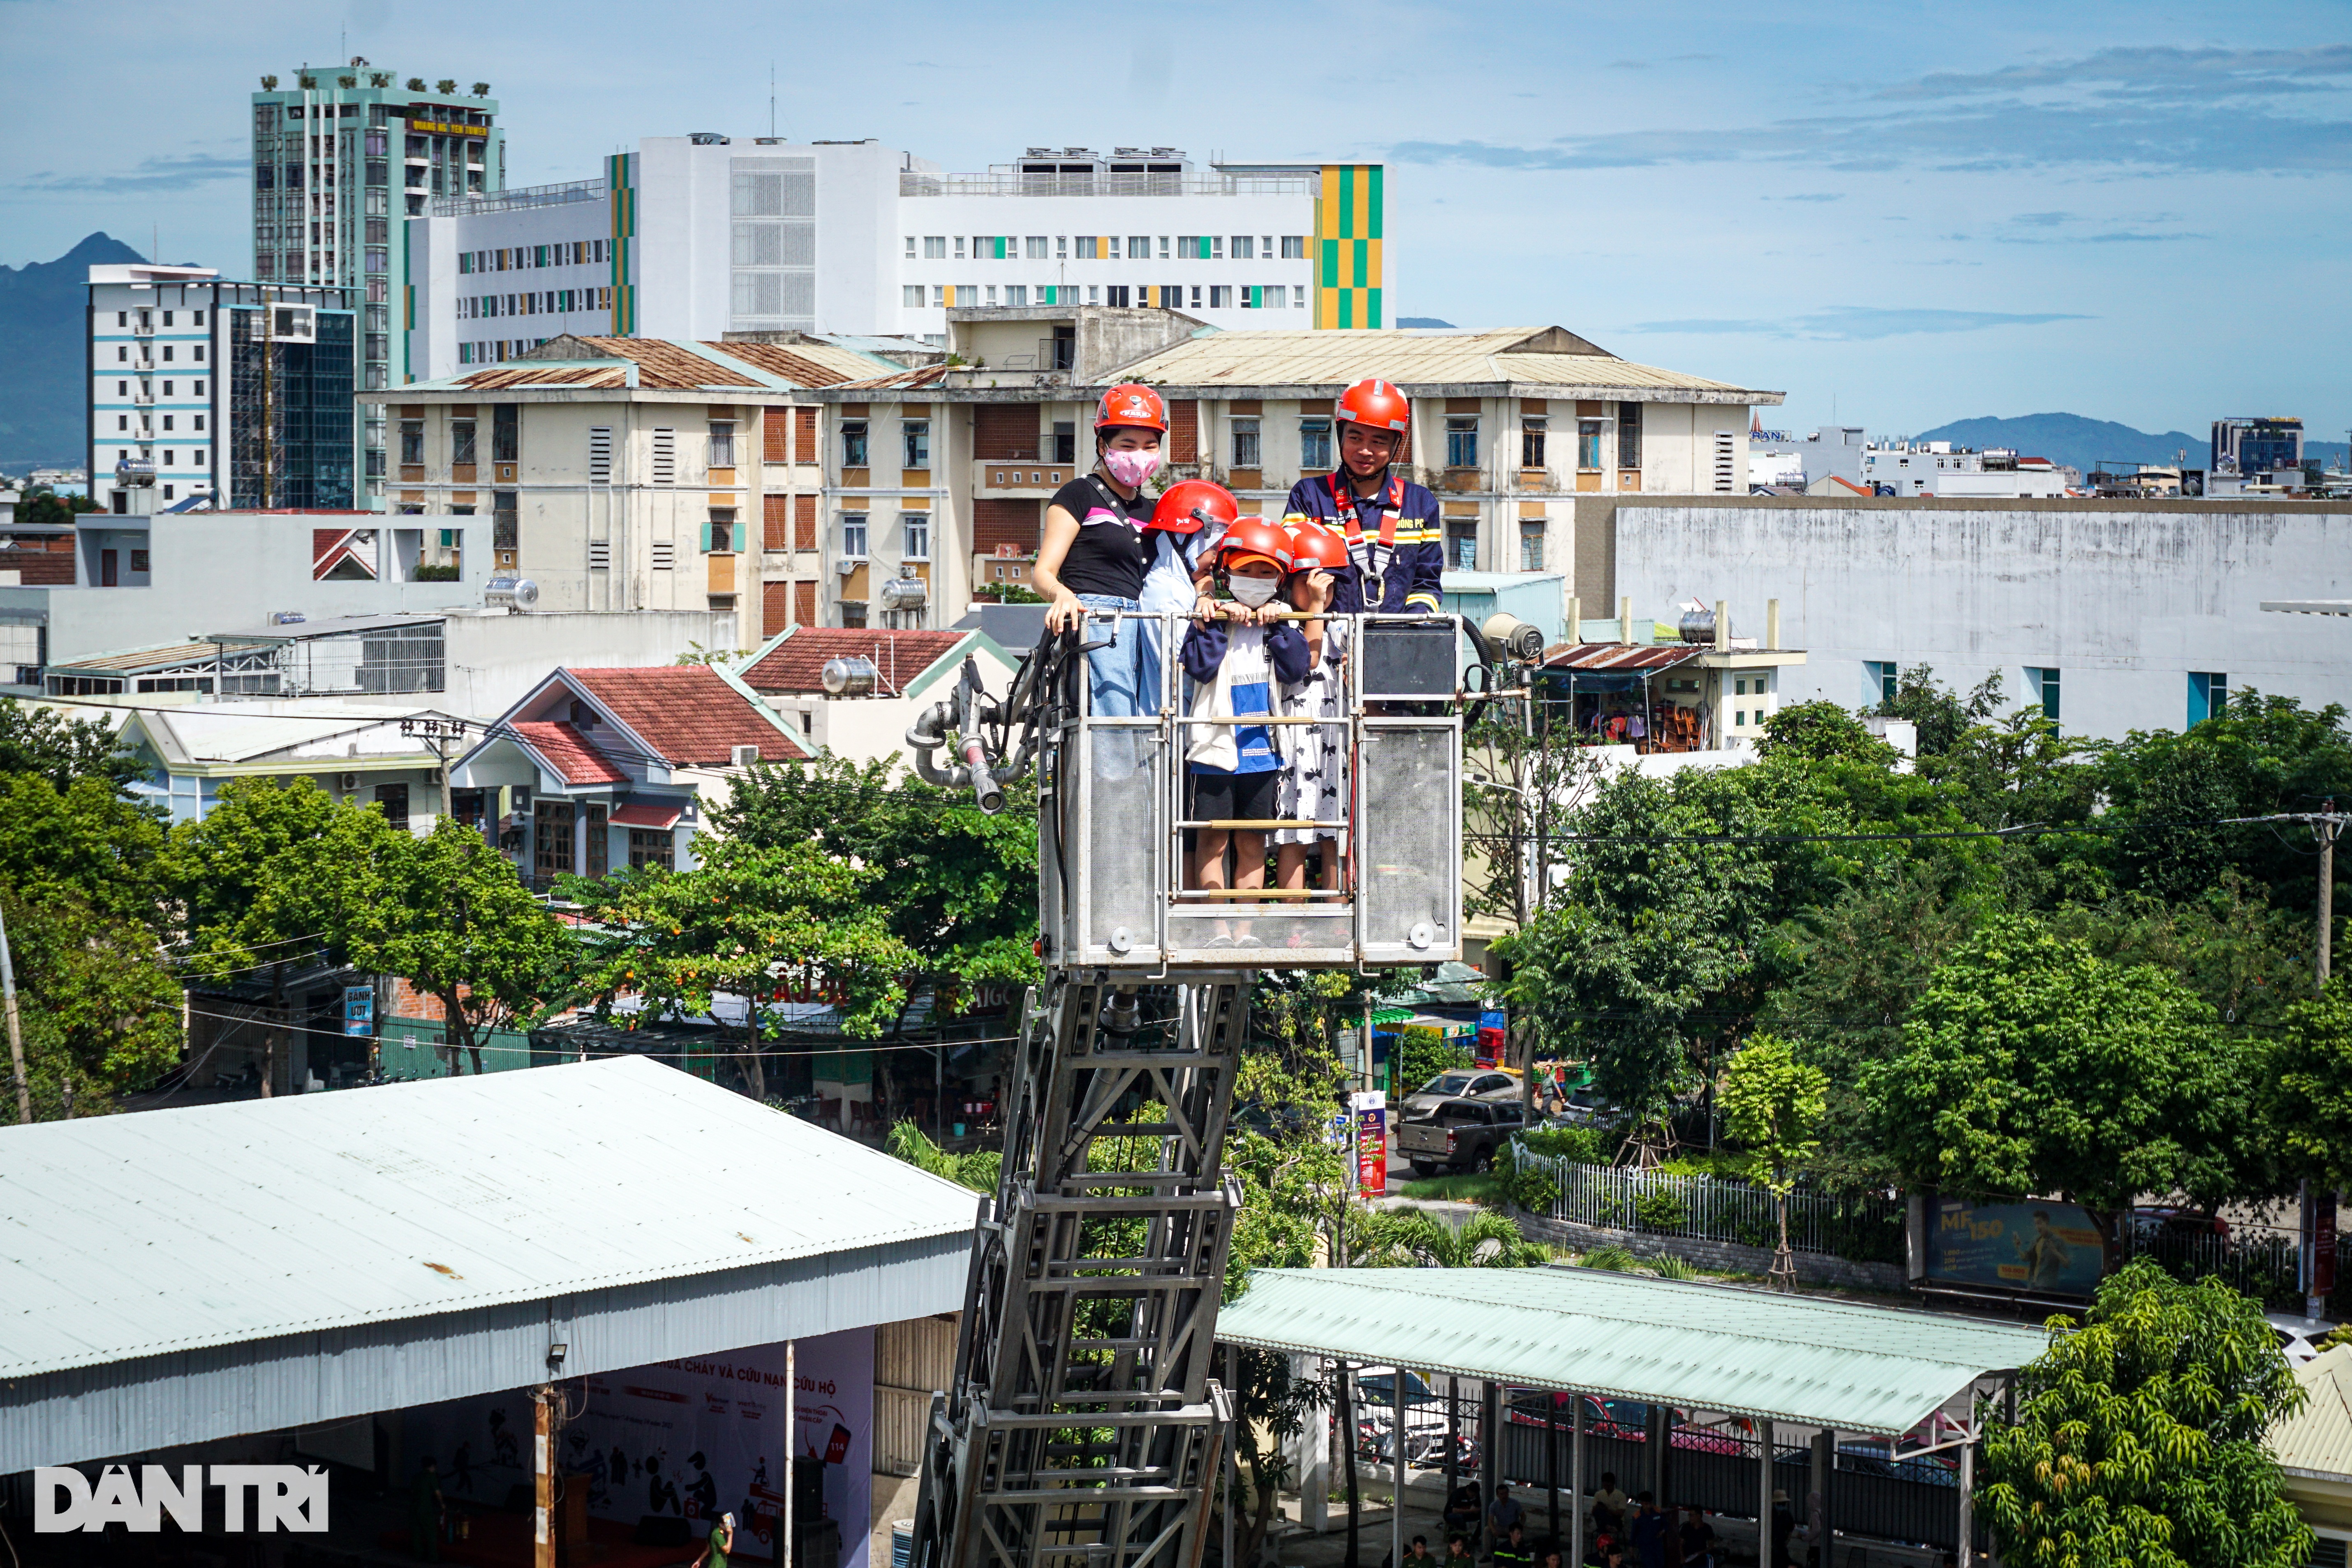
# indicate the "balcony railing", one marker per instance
pixel 518 199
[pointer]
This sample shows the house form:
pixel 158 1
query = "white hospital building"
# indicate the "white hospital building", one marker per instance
pixel 693 238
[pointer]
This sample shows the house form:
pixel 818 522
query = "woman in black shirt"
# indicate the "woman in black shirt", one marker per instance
pixel 1093 556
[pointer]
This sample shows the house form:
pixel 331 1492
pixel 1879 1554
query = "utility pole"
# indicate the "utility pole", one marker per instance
pixel 15 1032
pixel 2325 827
pixel 440 731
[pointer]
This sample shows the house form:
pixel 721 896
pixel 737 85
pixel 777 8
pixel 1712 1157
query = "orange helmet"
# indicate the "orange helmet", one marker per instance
pixel 1375 405
pixel 1188 503
pixel 1255 536
pixel 1313 545
pixel 1133 406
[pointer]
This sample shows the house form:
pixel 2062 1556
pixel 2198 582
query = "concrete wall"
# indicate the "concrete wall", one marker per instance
pixel 2126 599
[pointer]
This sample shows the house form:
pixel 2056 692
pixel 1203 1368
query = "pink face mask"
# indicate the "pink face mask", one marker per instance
pixel 1130 466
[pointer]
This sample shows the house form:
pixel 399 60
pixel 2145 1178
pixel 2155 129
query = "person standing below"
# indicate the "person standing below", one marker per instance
pixel 1609 1505
pixel 427 1508
pixel 1395 542
pixel 1093 556
pixel 1502 1515
pixel 1698 1538
pixel 717 1544
pixel 1650 1531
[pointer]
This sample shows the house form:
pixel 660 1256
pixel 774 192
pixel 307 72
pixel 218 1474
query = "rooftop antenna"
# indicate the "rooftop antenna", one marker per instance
pixel 771 100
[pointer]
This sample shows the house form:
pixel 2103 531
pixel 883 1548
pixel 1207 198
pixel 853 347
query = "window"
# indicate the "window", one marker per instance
pixel 938 296
pixel 1247 454
pixel 1727 469
pixel 718 533
pixel 919 536
pixel 1139 247
pixel 393 799
pixel 1878 682
pixel 722 443
pixel 461 441
pixel 853 443
pixel 665 457
pixel 1294 247
pixel 2209 691
pixel 935 247
pixel 1065 446
pixel 1533 428
pixel 1221 296
pixel 1531 547
pixel 1244 247
pixel 911 247
pixel 506 432
pixel 1462 546
pixel 1016 294
pixel 910 296
pixel 1315 443
pixel 652 847
pixel 1461 441
pixel 139 560
pixel 1036 247
pixel 1588 444
pixel 853 536
pixel 2043 685
pixel 599 455
pixel 412 440
pixel 915 440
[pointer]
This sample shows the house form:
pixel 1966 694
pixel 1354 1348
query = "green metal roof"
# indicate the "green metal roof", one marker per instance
pixel 1806 1359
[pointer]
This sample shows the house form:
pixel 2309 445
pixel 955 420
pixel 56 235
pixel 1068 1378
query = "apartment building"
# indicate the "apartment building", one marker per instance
pixel 634 473
pixel 952 468
pixel 225 393
pixel 699 236
pixel 1940 468
pixel 342 156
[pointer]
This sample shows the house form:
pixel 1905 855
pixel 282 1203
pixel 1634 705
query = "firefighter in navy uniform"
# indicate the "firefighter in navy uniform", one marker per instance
pixel 1396 544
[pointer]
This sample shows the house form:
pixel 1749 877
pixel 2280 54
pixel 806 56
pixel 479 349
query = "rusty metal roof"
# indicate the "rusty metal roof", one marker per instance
pixel 924 376
pixel 803 364
pixel 1620 657
pixel 504 376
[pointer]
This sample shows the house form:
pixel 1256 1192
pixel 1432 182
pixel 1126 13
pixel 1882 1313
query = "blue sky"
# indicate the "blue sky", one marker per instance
pixel 1898 213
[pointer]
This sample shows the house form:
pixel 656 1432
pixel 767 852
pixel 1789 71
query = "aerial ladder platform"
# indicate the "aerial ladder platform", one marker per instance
pixel 1083 1427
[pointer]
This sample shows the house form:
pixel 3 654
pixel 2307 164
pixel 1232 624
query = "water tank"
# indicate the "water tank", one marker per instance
pixel 511 594
pixel 1698 625
pixel 906 593
pixel 851 677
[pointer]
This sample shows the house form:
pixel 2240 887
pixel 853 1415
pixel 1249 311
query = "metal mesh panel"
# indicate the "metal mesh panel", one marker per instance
pixel 1408 878
pixel 1126 778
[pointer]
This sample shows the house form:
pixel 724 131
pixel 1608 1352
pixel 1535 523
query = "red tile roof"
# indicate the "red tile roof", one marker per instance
pixel 686 713
pixel 636 814
pixel 569 752
pixel 796 664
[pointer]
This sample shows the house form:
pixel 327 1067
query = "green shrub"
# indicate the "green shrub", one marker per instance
pixel 428 573
pixel 1533 1187
pixel 1661 1211
pixel 1673 1268
pixel 1615 1259
pixel 1584 1145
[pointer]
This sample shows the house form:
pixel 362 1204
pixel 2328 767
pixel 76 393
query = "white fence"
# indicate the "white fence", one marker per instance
pixel 1864 1227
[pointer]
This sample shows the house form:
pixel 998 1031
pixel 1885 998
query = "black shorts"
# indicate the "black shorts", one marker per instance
pixel 1234 797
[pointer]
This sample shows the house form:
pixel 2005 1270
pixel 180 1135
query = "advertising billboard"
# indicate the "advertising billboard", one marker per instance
pixel 2038 1248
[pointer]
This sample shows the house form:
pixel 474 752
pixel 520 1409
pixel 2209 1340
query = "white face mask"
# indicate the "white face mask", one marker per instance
pixel 1254 591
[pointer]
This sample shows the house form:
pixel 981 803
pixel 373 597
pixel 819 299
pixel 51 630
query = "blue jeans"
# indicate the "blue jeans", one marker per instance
pixel 1123 678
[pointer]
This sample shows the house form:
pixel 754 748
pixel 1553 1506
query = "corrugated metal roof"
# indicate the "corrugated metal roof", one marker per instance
pixel 513 375
pixel 923 375
pixel 803 363
pixel 1618 656
pixel 1750 1352
pixel 2316 1441
pixel 162 656
pixel 224 1223
pixel 1540 355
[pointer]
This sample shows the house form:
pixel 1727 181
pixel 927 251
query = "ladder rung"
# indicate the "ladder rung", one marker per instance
pixel 1256 822
pixel 1279 894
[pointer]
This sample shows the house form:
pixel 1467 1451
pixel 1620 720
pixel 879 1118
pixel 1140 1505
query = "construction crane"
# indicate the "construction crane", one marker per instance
pixel 1082 1425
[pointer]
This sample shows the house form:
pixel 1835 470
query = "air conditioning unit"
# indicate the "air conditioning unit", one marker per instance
pixel 347 781
pixel 845 566
pixel 742 756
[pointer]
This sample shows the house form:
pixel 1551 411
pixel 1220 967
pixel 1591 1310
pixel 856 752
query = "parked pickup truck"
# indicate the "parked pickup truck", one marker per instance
pixel 1460 1134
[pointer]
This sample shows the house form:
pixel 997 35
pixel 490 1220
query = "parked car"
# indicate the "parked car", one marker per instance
pixel 1470 1083
pixel 1627 1420
pixel 1588 1107
pixel 2298 1336
pixel 2149 1221
pixel 1458 1136
pixel 1424 1420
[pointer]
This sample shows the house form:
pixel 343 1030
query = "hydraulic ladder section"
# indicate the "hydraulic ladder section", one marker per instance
pixel 1084 1427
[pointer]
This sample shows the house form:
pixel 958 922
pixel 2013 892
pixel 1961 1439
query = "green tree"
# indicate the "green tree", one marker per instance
pixel 2307 1100
pixel 1415 1238
pixel 44 508
pixel 746 921
pixel 1650 935
pixel 238 911
pixel 2032 1066
pixel 61 750
pixel 2138 1441
pixel 1940 714
pixel 445 912
pixel 957 887
pixel 978 1170
pixel 1820 731
pixel 1772 1103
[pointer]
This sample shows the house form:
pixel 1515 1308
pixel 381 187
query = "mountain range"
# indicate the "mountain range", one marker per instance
pixel 2073 441
pixel 43 323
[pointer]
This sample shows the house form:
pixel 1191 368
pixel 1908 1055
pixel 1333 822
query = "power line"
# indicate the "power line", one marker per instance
pixel 2034 828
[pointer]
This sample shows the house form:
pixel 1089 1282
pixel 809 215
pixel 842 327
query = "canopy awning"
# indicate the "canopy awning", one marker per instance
pixel 646 813
pixel 1820 1363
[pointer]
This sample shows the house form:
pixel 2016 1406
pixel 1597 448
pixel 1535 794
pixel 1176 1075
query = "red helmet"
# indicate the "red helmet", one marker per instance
pixel 1313 545
pixel 1133 406
pixel 1191 502
pixel 1375 405
pixel 1256 536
